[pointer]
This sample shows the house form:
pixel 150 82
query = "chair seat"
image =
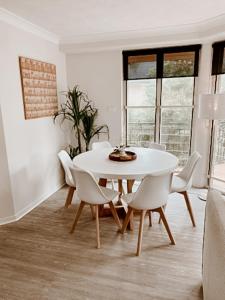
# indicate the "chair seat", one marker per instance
pixel 109 194
pixel 178 184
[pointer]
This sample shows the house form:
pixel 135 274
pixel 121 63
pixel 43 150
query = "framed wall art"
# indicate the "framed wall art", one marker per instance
pixel 38 80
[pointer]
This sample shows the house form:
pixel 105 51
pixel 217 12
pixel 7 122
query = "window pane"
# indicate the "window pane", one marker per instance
pixel 175 131
pixel 177 91
pixel 222 84
pixel 140 126
pixel 218 169
pixel 141 92
pixel 178 64
pixel 218 164
pixel 142 66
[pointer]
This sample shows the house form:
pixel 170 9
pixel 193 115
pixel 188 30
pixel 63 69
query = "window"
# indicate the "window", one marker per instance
pixel 217 167
pixel 160 91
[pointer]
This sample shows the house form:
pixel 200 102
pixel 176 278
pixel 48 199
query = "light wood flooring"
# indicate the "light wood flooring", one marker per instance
pixel 40 259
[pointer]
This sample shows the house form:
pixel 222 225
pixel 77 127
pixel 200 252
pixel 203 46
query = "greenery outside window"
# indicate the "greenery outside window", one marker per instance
pixel 160 91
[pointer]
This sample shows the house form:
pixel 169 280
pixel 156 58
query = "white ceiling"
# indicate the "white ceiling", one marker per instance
pixel 69 19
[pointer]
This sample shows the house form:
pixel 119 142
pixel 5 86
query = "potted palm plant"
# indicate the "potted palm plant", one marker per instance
pixel 88 119
pixel 79 110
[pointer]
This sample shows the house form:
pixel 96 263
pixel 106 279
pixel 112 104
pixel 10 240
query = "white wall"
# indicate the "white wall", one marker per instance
pixel 31 145
pixel 100 74
pixel 6 200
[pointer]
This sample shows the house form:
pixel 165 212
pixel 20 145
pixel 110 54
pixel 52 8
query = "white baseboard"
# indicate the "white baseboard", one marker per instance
pixel 29 207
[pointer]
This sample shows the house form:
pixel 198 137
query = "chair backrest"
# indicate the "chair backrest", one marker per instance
pixel 187 172
pixel 157 146
pixel 101 145
pixel 153 192
pixel 66 163
pixel 87 187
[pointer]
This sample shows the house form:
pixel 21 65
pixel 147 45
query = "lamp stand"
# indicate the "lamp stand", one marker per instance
pixel 204 197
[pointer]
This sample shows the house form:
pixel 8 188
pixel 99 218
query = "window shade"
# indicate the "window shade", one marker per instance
pixel 218 62
pixel 178 64
pixel 161 62
pixel 142 66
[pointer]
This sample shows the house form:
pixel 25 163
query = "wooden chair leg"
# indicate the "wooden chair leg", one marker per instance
pixel 120 186
pixel 92 211
pixel 127 218
pixel 69 197
pixel 102 182
pixel 130 183
pixel 188 203
pixel 143 212
pixel 131 223
pixel 77 216
pixel 97 226
pixel 164 220
pixel 115 215
pixel 164 208
pixel 150 218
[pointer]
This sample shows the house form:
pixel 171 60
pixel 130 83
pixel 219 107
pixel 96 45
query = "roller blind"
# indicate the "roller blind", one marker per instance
pixel 218 62
pixel 161 62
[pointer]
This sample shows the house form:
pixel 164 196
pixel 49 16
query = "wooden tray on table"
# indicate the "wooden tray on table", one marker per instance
pixel 127 156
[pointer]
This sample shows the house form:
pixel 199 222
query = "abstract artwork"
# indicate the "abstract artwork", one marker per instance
pixel 39 89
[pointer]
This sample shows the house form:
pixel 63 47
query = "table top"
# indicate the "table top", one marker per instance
pixel 149 161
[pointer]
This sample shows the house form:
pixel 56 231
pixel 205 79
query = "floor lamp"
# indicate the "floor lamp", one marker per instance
pixel 212 108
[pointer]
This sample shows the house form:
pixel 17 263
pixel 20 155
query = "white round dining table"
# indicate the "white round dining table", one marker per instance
pixel 148 161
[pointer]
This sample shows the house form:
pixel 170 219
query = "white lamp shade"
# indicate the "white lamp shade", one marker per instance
pixel 212 107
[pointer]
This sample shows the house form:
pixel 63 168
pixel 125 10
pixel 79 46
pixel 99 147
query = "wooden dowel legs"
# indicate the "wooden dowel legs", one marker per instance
pixel 97 226
pixel 150 218
pixel 69 197
pixel 188 204
pixel 143 212
pixel 115 215
pixel 77 216
pixel 163 218
pixel 92 211
pixel 127 219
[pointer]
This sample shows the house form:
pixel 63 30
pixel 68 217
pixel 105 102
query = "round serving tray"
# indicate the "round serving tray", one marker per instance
pixel 118 157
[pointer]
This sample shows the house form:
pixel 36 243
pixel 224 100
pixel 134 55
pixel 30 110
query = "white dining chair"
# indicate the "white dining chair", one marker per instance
pixel 160 147
pixel 89 192
pixel 182 181
pixel 101 145
pixel 157 146
pixel 152 195
pixel 67 163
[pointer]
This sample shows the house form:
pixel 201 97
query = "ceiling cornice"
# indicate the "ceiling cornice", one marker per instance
pixel 12 19
pixel 201 32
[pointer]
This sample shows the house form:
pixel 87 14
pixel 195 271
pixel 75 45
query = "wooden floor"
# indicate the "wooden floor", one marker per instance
pixel 39 259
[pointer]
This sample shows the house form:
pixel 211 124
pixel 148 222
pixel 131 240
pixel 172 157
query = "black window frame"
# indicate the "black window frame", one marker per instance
pixel 218 57
pixel 159 52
